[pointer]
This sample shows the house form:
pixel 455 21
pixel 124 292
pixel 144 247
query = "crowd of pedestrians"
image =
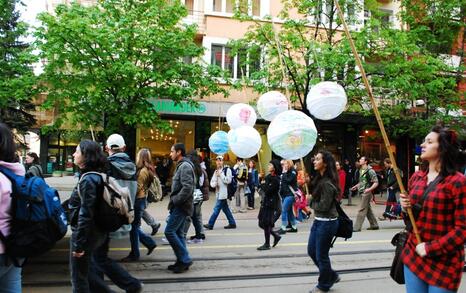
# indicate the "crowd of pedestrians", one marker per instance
pixel 438 191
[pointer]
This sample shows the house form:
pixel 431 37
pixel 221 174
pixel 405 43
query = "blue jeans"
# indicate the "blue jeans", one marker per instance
pixel 174 232
pixel 221 204
pixel 287 211
pixel 113 270
pixel 318 247
pixel 10 277
pixel 136 233
pixel 416 285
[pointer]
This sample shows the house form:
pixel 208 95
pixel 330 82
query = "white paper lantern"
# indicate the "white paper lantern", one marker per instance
pixel 271 104
pixel 241 115
pixel 218 142
pixel 292 135
pixel 244 141
pixel 326 100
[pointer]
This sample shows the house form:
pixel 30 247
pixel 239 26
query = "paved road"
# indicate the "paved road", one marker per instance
pixel 229 262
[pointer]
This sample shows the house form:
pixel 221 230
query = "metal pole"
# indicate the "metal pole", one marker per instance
pixel 377 116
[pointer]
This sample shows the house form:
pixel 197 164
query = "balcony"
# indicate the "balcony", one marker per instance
pixel 198 18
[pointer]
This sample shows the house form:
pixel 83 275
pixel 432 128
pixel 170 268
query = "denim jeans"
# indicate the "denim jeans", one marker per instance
pixel 318 247
pixel 174 232
pixel 287 211
pixel 10 277
pixel 136 233
pixel 416 285
pixel 221 204
pixel 83 274
pixel 113 270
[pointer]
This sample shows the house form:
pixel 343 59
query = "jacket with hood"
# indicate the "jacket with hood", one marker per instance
pixel 124 171
pixel 5 198
pixel 183 184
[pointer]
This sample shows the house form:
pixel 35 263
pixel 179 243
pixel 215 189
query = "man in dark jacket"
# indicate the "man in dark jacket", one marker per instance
pixel 180 206
pixel 124 170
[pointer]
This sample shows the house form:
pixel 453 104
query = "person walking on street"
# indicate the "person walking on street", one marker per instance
pixel 438 200
pixel 123 170
pixel 180 207
pixel 10 275
pixel 341 180
pixel 325 192
pixel 201 192
pixel 33 165
pixel 86 237
pixel 288 185
pixel 392 188
pixel 220 180
pixel 242 177
pixel 252 183
pixel 270 205
pixel 367 183
pixel 145 177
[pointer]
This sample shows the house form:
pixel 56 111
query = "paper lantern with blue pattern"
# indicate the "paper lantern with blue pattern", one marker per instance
pixel 218 142
pixel 292 135
pixel 244 141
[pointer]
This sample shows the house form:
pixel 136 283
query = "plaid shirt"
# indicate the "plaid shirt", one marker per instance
pixel 442 226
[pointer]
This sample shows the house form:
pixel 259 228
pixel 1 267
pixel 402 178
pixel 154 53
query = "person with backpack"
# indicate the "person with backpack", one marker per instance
pixel 201 193
pixel 180 207
pixel 33 165
pixel 368 182
pixel 10 275
pixel 270 205
pixel 437 197
pixel 121 168
pixel 220 180
pixel 241 171
pixel 86 237
pixel 325 193
pixel 145 174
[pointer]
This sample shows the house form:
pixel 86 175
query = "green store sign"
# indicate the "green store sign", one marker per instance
pixel 169 106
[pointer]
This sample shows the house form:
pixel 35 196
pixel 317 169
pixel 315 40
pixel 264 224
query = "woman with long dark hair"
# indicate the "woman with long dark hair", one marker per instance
pixel 145 173
pixel 10 276
pixel 438 198
pixel 86 237
pixel 325 190
pixel 270 205
pixel 253 182
pixel 33 165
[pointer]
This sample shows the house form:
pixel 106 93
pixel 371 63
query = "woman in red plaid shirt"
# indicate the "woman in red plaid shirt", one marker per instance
pixel 436 264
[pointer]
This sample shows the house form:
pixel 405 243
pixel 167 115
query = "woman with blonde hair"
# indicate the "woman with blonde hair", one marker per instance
pixel 288 186
pixel 145 175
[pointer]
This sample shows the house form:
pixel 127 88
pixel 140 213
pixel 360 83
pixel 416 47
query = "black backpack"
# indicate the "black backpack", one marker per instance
pixel 233 185
pixel 345 224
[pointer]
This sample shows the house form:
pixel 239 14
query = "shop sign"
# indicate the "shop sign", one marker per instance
pixel 208 109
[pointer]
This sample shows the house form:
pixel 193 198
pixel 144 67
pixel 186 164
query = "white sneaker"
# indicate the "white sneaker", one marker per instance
pixel 165 241
pixel 195 241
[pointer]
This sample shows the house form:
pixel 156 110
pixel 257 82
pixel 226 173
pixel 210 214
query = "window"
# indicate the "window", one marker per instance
pixel 243 64
pixel 251 7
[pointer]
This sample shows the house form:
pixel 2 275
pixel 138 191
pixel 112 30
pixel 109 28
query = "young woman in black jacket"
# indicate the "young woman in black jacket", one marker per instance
pixel 85 235
pixel 270 205
pixel 288 185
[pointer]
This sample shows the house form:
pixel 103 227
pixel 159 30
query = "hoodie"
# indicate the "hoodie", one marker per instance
pixel 5 198
pixel 124 171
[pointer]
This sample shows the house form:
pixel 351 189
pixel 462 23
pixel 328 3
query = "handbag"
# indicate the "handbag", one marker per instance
pixel 400 238
pixel 397 271
pixel 345 224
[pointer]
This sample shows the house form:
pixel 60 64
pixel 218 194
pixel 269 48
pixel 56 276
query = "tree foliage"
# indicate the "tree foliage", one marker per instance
pixel 17 79
pixel 402 71
pixel 106 62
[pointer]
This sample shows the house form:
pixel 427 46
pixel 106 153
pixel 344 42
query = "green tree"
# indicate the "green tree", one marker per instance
pixel 17 79
pixel 401 71
pixel 106 62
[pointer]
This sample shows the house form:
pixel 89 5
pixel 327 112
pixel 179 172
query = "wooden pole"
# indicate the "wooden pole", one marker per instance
pixel 305 173
pixel 92 132
pixel 377 116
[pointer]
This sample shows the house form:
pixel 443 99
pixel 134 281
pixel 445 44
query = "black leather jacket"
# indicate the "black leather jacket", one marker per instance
pixel 288 179
pixel 82 210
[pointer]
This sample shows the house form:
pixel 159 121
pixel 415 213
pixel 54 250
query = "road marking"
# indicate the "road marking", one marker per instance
pixel 240 246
